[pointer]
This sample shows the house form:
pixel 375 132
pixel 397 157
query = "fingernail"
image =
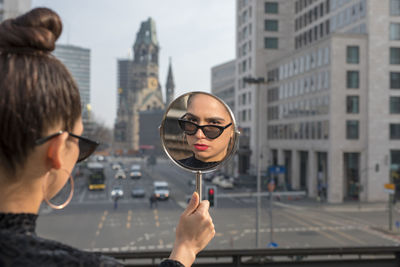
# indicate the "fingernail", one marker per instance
pixel 192 197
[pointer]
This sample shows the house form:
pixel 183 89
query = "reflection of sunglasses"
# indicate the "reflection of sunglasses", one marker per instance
pixel 86 146
pixel 210 131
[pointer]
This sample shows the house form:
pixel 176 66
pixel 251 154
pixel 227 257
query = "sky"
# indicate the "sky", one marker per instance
pixel 195 34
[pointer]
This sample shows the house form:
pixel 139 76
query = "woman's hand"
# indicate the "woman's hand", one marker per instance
pixel 194 231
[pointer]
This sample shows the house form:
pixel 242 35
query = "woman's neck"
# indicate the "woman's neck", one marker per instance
pixel 20 196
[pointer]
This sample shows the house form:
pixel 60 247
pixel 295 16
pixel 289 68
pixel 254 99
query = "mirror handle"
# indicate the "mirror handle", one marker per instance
pixel 199 185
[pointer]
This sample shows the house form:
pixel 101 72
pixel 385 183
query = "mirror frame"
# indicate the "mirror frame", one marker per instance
pixel 235 136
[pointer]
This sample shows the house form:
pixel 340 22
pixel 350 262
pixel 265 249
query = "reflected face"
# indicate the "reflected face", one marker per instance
pixel 206 110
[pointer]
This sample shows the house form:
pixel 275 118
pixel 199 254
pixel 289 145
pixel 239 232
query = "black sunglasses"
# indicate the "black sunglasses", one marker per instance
pixel 86 146
pixel 210 131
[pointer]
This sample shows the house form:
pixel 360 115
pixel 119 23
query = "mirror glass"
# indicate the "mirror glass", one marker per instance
pixel 199 132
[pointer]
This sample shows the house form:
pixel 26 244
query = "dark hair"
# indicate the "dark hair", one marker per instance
pixel 37 91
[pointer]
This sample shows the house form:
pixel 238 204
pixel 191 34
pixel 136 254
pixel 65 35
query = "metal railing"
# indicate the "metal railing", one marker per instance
pixel 385 256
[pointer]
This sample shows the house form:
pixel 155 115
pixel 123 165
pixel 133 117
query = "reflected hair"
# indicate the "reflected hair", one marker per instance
pixel 37 91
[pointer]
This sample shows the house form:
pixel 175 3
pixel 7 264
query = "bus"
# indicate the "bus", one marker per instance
pixel 96 176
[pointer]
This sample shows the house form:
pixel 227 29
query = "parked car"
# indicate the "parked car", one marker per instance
pixel 223 181
pixel 161 190
pixel 116 166
pixel 120 174
pixel 135 171
pixel 138 192
pixel 117 192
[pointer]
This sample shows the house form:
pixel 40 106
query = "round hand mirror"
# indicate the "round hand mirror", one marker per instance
pixel 199 133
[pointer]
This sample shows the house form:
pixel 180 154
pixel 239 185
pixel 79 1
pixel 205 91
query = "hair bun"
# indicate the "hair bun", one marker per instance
pixel 34 31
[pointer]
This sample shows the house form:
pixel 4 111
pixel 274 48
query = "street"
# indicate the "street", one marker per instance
pixel 91 222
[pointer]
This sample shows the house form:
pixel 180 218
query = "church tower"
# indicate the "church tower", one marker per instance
pixel 142 90
pixel 170 86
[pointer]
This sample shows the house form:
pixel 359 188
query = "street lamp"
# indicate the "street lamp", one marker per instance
pixel 257 81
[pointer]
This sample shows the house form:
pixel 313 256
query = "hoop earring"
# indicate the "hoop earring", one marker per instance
pixel 63 205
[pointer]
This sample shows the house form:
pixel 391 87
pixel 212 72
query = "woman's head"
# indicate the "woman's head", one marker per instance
pixel 37 92
pixel 208 144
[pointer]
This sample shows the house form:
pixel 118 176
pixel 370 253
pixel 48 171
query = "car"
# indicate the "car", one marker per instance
pixel 120 174
pixel 161 190
pixel 192 183
pixel 138 192
pixel 135 174
pixel 135 171
pixel 223 181
pixel 117 192
pixel 116 166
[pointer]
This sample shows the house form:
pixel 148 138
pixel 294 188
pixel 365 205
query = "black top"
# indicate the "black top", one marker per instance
pixel 20 246
pixel 192 162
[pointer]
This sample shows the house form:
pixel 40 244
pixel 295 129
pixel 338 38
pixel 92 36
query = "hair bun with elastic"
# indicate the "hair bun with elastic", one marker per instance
pixel 34 31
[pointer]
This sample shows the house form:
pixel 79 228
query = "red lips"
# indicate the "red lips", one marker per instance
pixel 200 147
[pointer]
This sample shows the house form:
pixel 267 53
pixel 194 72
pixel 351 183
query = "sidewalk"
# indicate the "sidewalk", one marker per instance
pixel 347 206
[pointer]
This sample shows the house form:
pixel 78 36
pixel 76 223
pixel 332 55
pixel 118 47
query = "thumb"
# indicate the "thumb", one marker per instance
pixel 193 204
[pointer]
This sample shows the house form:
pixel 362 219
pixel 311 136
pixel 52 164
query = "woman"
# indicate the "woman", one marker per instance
pixel 40 142
pixel 208 128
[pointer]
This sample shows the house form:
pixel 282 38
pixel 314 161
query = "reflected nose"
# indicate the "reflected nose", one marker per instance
pixel 199 134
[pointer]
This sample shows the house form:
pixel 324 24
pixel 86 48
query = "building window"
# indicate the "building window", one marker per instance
pixel 395 131
pixel 395 80
pixel 394 31
pixel 353 105
pixel 395 55
pixel 271 8
pixel 352 129
pixel 353 55
pixel 353 79
pixel 271 25
pixel 395 105
pixel 271 43
pixel 394 7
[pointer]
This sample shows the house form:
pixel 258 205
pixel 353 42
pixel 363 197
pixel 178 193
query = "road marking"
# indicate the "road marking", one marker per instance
pixel 329 236
pixel 288 206
pixel 182 204
pixel 348 237
pixel 128 219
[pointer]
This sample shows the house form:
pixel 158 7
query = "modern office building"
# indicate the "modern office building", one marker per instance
pixel 329 110
pixel 77 61
pixel 13 8
pixel 223 86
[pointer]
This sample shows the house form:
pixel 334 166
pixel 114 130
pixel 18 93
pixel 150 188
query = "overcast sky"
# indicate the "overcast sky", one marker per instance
pixel 196 34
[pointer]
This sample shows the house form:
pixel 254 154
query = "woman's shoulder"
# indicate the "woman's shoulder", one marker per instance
pixel 31 250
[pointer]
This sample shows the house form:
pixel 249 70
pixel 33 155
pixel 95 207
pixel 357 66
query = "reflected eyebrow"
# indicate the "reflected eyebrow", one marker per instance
pixel 207 119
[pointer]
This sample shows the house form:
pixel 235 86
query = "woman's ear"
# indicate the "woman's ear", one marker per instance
pixel 55 151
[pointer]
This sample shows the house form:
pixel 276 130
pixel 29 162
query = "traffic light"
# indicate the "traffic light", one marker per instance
pixel 210 195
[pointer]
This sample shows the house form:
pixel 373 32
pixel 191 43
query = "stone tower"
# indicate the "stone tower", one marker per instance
pixel 138 89
pixel 170 86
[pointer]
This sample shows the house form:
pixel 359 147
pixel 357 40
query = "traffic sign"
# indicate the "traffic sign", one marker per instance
pixel 276 169
pixel 389 188
pixel 272 245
